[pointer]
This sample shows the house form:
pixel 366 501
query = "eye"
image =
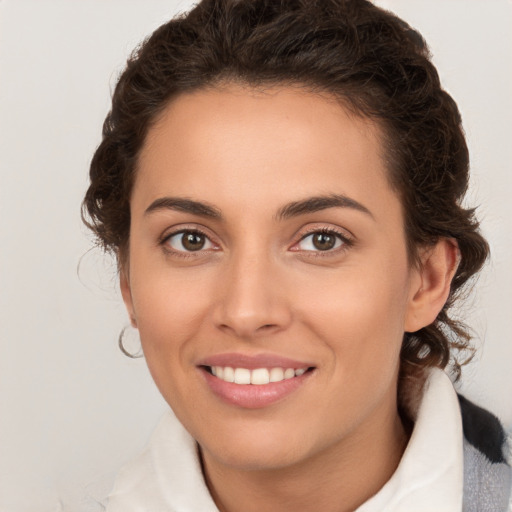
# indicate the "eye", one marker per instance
pixel 189 241
pixel 321 241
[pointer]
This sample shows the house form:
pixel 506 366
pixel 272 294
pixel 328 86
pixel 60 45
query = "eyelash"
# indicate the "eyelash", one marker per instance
pixel 346 242
pixel 164 242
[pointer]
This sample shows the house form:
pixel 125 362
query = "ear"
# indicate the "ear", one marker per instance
pixel 431 286
pixel 126 292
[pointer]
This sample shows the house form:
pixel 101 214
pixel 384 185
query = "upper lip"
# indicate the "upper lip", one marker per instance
pixel 251 362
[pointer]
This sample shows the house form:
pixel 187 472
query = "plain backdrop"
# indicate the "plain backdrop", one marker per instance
pixel 72 407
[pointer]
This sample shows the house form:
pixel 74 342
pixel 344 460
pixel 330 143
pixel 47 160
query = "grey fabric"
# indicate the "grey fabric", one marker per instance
pixel 487 485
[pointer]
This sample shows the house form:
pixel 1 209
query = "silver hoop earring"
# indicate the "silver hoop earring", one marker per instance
pixel 121 340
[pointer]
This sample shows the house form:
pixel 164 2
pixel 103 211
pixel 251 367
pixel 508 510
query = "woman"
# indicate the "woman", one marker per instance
pixel 281 183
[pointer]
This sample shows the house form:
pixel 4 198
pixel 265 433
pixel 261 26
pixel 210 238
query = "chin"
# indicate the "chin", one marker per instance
pixel 257 459
pixel 262 448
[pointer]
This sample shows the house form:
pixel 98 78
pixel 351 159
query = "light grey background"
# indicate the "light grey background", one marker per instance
pixel 72 408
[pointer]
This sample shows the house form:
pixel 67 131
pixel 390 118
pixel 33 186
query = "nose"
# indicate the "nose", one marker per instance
pixel 252 300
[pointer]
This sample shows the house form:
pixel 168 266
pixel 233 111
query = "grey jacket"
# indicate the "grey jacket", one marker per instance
pixel 487 473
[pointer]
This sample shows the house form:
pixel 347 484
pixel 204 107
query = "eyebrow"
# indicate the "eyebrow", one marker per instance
pixel 294 209
pixel 184 205
pixel 318 203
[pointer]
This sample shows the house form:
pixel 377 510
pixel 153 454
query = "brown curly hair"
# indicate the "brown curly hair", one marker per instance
pixel 372 61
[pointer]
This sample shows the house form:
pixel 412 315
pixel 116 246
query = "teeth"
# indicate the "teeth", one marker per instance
pixel 276 374
pixel 242 376
pixel 289 373
pixel 229 374
pixel 258 377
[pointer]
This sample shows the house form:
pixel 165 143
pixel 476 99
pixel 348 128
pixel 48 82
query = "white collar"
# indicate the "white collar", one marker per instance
pixel 430 474
pixel 167 476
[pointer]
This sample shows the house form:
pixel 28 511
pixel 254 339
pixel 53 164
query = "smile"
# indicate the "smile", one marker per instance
pixel 255 387
pixel 257 376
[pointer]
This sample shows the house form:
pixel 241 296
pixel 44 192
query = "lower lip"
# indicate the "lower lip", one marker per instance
pixel 252 396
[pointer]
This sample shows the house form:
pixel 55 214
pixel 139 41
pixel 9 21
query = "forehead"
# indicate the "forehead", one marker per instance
pixel 239 144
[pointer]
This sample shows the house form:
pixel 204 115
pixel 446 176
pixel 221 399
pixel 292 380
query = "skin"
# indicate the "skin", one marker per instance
pixel 260 285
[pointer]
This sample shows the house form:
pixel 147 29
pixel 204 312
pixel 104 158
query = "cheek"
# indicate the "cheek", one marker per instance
pixel 360 322
pixel 167 300
pixel 360 315
pixel 170 309
pixel 170 314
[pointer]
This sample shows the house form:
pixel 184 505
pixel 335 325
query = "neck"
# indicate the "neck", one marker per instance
pixel 337 480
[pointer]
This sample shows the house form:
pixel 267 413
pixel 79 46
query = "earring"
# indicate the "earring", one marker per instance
pixel 122 339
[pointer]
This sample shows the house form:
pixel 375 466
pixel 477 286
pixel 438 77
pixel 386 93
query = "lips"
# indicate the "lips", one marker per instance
pixel 253 381
pixel 252 362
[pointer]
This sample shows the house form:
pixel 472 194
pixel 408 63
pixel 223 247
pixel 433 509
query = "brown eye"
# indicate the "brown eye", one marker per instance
pixel 189 241
pixel 321 241
pixel 324 241
pixel 193 241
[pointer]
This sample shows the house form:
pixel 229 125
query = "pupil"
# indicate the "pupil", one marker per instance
pixel 323 241
pixel 193 241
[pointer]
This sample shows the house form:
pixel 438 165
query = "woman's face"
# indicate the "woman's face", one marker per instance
pixel 265 236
